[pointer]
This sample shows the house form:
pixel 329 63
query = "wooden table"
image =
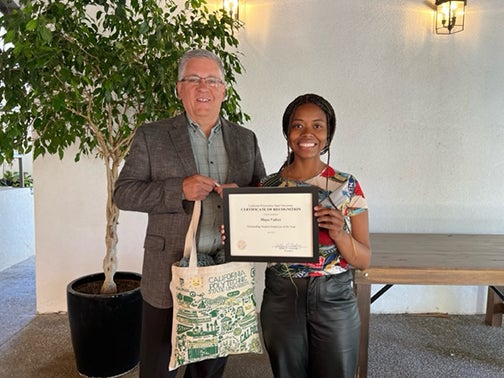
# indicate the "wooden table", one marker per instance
pixel 430 259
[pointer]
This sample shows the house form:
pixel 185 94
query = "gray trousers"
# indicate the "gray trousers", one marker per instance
pixel 311 326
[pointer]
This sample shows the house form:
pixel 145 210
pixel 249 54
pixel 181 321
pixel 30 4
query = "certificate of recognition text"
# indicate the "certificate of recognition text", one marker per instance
pixel 271 224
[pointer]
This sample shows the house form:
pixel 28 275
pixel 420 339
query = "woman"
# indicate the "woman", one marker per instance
pixel 309 313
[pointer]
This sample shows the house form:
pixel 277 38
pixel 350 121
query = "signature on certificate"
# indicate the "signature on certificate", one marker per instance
pixel 288 247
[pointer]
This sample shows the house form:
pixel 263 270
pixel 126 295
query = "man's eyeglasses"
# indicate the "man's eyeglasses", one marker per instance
pixel 194 80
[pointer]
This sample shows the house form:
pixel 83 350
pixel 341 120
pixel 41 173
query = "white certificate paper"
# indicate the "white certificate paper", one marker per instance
pixel 271 224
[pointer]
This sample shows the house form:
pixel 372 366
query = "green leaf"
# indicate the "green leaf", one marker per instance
pixel 45 34
pixel 88 80
pixel 31 25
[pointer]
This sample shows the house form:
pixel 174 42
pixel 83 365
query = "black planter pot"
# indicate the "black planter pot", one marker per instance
pixel 105 329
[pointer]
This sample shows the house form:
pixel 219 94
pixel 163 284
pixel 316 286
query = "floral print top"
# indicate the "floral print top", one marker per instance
pixel 346 194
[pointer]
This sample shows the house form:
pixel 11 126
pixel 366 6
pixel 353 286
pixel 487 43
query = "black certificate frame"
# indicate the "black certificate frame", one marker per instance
pixel 280 212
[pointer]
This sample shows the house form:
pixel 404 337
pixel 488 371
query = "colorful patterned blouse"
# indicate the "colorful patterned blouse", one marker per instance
pixel 346 193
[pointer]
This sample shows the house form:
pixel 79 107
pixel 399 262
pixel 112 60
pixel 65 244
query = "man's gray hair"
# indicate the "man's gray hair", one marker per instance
pixel 199 53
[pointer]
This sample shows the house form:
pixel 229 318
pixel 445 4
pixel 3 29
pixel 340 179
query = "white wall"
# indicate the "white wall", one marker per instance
pixel 70 203
pixel 16 226
pixel 420 123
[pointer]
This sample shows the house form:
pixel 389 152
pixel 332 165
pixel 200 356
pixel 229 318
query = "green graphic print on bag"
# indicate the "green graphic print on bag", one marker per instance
pixel 214 313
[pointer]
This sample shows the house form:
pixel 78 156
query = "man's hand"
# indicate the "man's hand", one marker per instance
pixel 220 187
pixel 197 187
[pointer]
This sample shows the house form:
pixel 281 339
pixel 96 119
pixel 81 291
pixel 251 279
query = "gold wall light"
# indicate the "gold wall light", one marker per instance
pixel 232 7
pixel 450 16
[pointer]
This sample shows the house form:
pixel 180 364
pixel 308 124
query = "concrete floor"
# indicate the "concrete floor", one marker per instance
pixel 402 345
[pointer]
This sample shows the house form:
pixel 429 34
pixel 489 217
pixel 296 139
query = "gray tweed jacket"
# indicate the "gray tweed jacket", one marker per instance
pixel 151 182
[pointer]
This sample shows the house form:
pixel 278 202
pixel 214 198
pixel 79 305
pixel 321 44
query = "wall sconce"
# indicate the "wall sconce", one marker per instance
pixel 232 7
pixel 450 16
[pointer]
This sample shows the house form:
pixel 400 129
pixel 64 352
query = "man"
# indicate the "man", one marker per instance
pixel 171 164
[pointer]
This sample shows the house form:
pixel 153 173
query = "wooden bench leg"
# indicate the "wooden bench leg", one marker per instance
pixel 363 292
pixel 494 308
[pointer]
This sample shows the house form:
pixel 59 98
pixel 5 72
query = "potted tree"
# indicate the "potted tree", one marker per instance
pixel 88 73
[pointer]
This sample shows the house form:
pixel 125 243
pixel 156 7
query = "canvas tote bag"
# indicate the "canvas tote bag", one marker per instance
pixel 214 307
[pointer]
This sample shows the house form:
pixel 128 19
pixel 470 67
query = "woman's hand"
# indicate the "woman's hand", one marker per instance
pixel 354 247
pixel 332 220
pixel 223 234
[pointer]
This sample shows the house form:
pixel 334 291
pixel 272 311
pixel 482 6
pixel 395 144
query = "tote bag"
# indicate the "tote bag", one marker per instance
pixel 214 307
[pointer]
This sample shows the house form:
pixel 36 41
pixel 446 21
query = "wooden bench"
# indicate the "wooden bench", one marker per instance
pixel 430 259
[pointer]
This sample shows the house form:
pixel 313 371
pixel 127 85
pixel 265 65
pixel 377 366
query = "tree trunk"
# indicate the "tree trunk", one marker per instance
pixel 112 216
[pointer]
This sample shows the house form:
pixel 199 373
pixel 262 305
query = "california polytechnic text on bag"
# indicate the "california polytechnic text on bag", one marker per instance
pixel 214 311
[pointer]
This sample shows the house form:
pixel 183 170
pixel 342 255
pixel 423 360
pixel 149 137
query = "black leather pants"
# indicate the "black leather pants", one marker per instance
pixel 311 326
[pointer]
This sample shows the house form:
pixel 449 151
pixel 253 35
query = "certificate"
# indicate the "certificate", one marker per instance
pixel 271 224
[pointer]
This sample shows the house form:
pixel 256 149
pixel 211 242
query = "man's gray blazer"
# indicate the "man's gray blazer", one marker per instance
pixel 160 158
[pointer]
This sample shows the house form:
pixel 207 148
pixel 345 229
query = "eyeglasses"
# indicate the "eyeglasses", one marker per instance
pixel 194 80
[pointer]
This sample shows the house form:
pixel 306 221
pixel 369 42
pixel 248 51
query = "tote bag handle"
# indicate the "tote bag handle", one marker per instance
pixel 190 240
